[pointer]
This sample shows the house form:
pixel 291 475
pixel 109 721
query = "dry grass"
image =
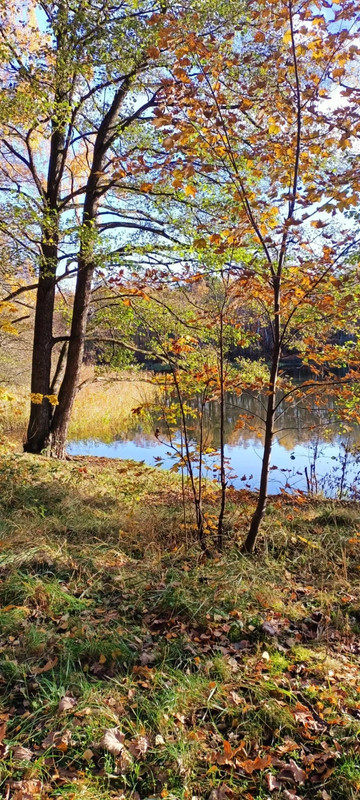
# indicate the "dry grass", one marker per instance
pixel 103 407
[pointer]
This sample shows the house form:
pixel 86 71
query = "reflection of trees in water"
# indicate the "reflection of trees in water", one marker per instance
pixel 298 422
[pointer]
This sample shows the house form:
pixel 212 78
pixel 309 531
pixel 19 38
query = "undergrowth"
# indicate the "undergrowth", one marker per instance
pixel 133 668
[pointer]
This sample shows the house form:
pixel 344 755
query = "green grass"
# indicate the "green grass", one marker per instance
pixel 212 664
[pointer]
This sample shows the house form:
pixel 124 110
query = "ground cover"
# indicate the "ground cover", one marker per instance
pixel 131 667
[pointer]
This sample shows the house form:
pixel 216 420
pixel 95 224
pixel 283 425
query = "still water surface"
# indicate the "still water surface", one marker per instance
pixel 306 441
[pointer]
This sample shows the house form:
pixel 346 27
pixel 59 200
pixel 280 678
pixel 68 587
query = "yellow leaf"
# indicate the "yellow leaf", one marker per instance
pixel 52 398
pixel 273 128
pixel 8 327
pixel 36 398
pixel 190 191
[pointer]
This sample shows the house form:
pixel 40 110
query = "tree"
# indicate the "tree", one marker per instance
pixel 188 321
pixel 68 98
pixel 260 127
pixel 77 77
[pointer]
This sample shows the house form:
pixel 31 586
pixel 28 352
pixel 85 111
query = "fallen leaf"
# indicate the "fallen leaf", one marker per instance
pixel 146 658
pixel 233 664
pixel 237 700
pixel 124 762
pixel 88 754
pixel 84 712
pixel 221 792
pixel 227 756
pixel 26 790
pixel 46 668
pixel 258 763
pixel 67 703
pixel 58 739
pixel 4 749
pixel 113 741
pixel 268 629
pixel 159 739
pixel 291 772
pixel 288 746
pixel 22 754
pixel 139 746
pixel 272 782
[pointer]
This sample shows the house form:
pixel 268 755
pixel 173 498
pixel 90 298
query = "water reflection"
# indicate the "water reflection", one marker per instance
pixel 306 442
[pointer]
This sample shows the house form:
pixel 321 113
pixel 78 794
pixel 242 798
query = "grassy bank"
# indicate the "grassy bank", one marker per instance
pixel 102 410
pixel 131 668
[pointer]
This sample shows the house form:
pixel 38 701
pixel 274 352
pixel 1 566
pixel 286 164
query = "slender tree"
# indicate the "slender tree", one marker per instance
pixel 263 127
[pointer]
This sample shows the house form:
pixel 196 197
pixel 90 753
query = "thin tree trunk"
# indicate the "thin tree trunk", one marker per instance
pixel 196 494
pixel 86 266
pixel 68 389
pixel 222 439
pixel 57 377
pixel 250 540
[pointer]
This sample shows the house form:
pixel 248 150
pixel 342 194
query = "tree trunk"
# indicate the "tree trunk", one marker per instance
pixel 41 411
pixel 250 540
pixel 86 266
pixel 68 389
pixel 223 481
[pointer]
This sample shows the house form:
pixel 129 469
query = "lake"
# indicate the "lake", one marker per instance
pixel 306 450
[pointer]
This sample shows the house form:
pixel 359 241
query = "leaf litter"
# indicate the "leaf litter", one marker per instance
pixel 204 677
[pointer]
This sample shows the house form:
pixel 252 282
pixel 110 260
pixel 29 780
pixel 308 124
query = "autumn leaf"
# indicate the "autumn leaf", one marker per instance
pixel 272 782
pixel 222 792
pixel 257 764
pixel 124 762
pixel 22 754
pixel 113 741
pixel 67 703
pixel 138 747
pixel 27 789
pixel 59 739
pixel 153 51
pixel 46 668
pixel 292 772
pixel 227 756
